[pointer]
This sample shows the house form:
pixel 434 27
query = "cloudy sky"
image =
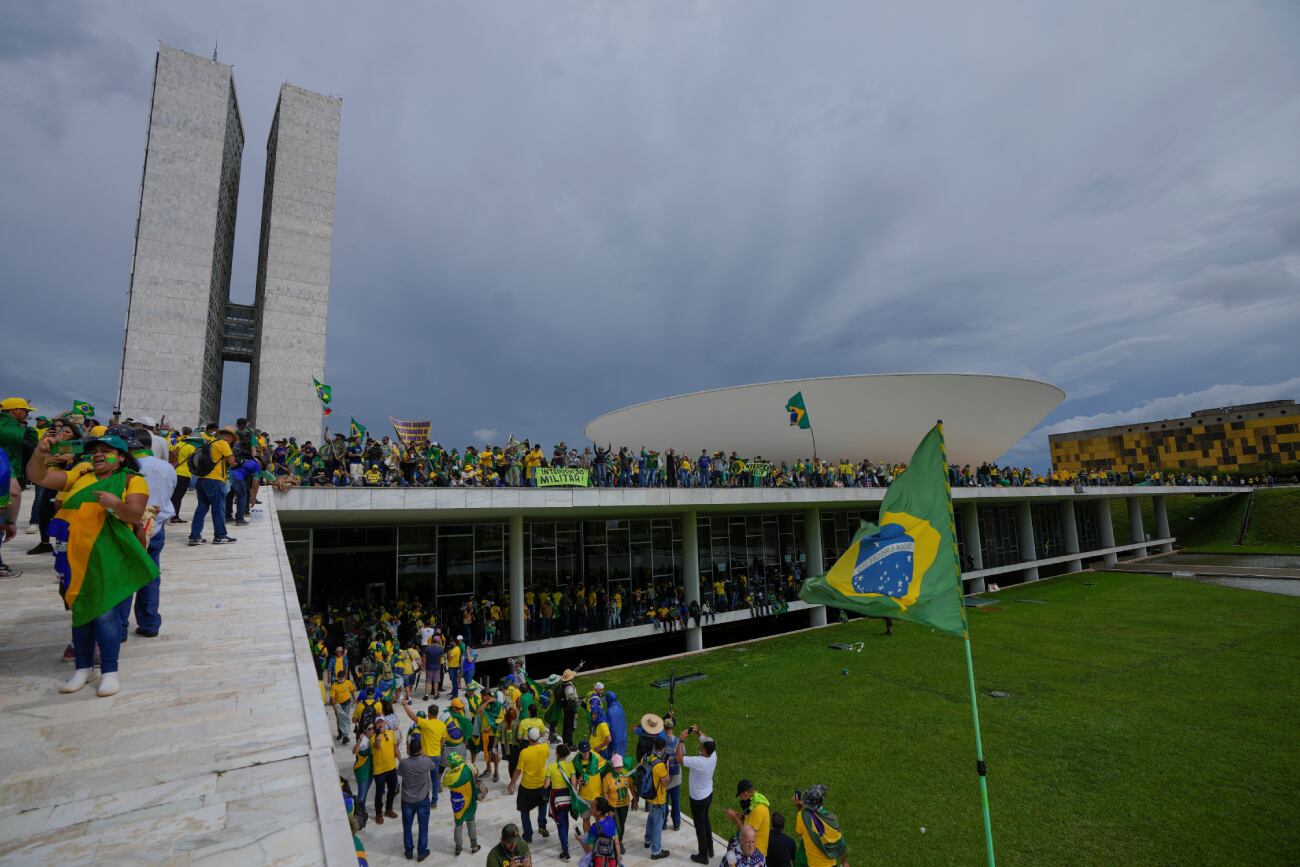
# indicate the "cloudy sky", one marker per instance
pixel 549 210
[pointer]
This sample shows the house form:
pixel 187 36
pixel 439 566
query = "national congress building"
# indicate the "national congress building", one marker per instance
pixel 1227 439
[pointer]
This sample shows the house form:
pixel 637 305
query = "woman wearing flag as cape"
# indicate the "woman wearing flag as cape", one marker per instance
pixel 817 830
pixel 464 790
pixel 97 556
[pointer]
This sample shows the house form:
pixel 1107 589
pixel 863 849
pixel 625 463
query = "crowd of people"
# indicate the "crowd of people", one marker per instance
pixel 422 721
pixel 344 461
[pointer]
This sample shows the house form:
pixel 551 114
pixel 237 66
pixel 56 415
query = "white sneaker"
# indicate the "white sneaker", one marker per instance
pixel 77 681
pixel 108 685
pixel 31 528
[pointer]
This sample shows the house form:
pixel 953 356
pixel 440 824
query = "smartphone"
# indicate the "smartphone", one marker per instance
pixel 798 794
pixel 69 447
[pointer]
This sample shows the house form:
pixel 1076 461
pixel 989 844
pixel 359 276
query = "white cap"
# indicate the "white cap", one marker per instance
pixel 460 638
pixel 599 685
pixel 146 420
pixel 533 733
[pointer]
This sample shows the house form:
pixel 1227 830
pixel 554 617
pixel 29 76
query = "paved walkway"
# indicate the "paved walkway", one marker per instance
pixel 214 752
pixel 384 842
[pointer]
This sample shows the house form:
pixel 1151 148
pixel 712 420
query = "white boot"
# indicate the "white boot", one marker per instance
pixel 108 684
pixel 77 681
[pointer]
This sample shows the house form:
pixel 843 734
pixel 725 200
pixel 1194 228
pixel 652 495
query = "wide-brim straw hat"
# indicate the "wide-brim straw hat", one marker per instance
pixel 569 674
pixel 652 724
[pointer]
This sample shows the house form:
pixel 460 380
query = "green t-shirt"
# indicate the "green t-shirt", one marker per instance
pixel 499 857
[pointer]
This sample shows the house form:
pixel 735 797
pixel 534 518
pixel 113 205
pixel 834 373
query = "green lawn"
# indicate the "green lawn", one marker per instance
pixel 1150 721
pixel 1210 524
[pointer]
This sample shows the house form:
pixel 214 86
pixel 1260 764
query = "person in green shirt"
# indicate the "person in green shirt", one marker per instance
pixel 511 851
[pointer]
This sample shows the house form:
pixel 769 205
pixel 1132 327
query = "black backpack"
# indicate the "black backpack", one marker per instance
pixel 201 461
pixel 367 717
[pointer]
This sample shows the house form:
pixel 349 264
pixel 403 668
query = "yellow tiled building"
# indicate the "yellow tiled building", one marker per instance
pixel 1210 439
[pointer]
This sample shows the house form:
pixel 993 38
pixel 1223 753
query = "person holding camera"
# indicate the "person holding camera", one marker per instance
pixel 700 789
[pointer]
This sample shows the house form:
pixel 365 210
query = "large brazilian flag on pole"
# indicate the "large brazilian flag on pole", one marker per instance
pixel 906 567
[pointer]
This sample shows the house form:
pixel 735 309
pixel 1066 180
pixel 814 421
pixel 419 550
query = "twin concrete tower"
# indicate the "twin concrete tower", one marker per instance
pixel 181 325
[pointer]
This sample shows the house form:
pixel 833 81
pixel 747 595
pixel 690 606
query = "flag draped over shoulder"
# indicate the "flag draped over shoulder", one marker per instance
pixel 798 412
pixel 357 430
pixel 411 431
pixel 578 806
pixel 907 567
pixel 98 559
pixel 462 787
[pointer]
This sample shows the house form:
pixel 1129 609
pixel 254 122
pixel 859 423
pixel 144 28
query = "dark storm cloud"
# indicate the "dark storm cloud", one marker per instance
pixel 545 212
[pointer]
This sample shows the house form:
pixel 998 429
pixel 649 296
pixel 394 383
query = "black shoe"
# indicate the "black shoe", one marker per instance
pixel 474 848
pixel 241 523
pixel 140 630
pixel 176 520
pixel 663 853
pixel 193 542
pixel 544 832
pixel 422 857
pixel 346 740
pixel 647 843
pixel 457 852
pixel 42 548
pixel 410 854
pixel 223 540
pixel 700 859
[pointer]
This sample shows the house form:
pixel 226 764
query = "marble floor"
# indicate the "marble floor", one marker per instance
pixel 384 842
pixel 214 752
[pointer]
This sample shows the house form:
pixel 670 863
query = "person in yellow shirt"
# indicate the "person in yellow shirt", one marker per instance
pixel 342 691
pixel 385 750
pixel 180 458
pixel 817 829
pixel 530 779
pixel 619 789
pixel 601 740
pixel 656 765
pixel 210 490
pixel 755 811
pixel 453 659
pixel 560 774
pixel 588 768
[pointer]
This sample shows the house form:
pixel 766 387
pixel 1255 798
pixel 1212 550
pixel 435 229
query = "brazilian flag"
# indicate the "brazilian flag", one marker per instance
pixel 907 567
pixel 323 391
pixel 357 430
pixel 798 412
pixel 462 786
pixel 80 407
pixel 98 559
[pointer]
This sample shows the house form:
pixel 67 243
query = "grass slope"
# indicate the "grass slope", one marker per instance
pixel 1210 524
pixel 1151 721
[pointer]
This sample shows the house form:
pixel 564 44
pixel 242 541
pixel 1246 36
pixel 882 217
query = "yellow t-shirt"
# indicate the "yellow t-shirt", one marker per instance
pixel 432 733
pixel 532 764
pixel 815 857
pixel 383 750
pixel 554 769
pixel 183 451
pixel 530 722
pixel 618 788
pixel 83 476
pixel 600 736
pixel 220 451
pixel 661 788
pixel 760 819
pixel 453 656
pixel 341 691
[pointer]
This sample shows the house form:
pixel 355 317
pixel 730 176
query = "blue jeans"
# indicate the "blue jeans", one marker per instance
pixel 410 812
pixel 654 828
pixel 240 487
pixel 437 777
pixel 211 495
pixel 146 598
pixel 362 790
pixel 562 825
pixel 106 631
pixel 674 806
pixel 455 680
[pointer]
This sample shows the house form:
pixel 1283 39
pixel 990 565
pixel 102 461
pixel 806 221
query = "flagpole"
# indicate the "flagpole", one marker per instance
pixel 980 767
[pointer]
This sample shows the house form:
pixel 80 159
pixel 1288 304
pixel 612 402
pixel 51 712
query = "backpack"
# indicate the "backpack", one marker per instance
pixel 602 852
pixel 201 462
pixel 645 787
pixel 368 714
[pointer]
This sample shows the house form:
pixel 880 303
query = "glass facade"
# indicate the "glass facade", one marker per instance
pixel 1085 522
pixel 1049 535
pixel 999 538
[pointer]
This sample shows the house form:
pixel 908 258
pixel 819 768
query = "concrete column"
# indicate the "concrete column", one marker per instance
pixel 517 578
pixel 812 534
pixel 1136 531
pixel 970 537
pixel 1070 529
pixel 1162 524
pixel 691 574
pixel 1028 552
pixel 1106 530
